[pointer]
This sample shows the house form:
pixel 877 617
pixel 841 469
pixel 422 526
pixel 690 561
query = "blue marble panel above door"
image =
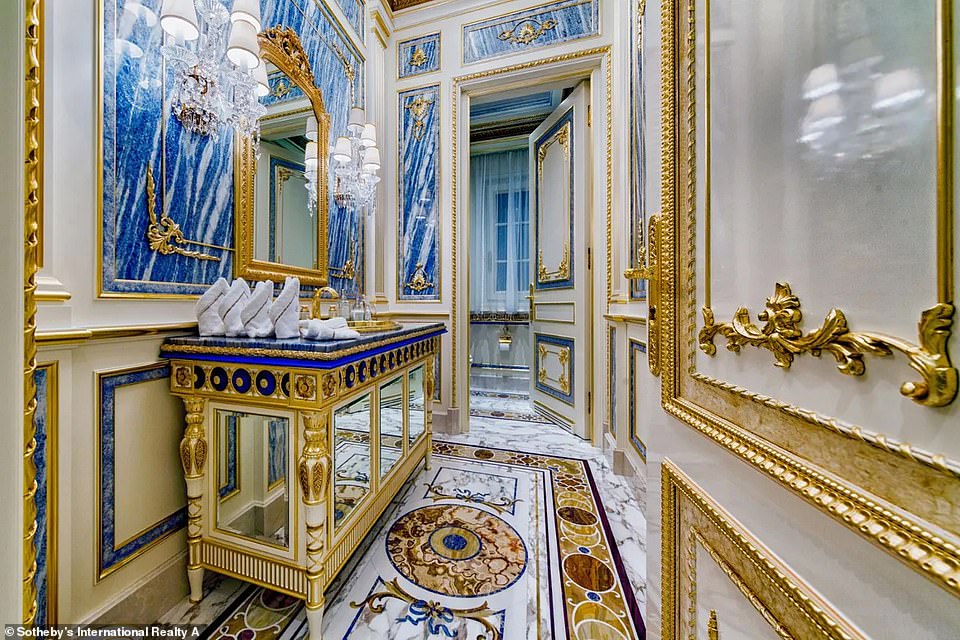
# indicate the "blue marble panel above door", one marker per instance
pixel 534 28
pixel 418 56
pixel 166 221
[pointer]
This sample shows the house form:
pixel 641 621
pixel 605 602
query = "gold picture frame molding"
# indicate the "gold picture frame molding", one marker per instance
pixel 842 469
pixel 282 47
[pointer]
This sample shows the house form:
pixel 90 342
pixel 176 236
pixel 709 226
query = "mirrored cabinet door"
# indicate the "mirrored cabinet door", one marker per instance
pixel 391 425
pixel 252 496
pixel 351 457
pixel 417 408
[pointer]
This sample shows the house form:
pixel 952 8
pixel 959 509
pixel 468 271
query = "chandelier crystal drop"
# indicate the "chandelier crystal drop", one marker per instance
pixel 219 76
pixel 356 161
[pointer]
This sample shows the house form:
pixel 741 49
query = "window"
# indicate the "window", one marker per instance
pixel 513 229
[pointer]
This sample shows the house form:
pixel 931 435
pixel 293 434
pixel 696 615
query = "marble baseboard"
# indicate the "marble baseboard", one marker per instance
pixel 148 601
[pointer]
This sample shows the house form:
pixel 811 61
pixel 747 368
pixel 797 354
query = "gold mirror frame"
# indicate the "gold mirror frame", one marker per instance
pixel 282 47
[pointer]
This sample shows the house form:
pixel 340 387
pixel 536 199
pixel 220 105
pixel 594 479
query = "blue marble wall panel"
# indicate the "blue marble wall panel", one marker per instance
pixel 418 267
pixel 193 173
pixel 111 556
pixel 541 26
pixel 277 463
pixel 546 386
pixel 638 288
pixel 564 283
pixel 354 10
pixel 636 347
pixel 44 457
pixel 231 483
pixel 418 56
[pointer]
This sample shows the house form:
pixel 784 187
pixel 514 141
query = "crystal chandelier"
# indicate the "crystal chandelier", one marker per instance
pixel 219 80
pixel 356 160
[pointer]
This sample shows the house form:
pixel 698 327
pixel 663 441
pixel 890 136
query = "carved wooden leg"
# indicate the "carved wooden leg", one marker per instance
pixel 193 456
pixel 429 388
pixel 314 473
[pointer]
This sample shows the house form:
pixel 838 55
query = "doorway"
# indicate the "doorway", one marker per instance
pixel 530 262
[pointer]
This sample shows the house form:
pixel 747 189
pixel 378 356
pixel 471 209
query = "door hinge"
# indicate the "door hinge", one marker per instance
pixel 589 258
pixel 589 402
pixel 589 115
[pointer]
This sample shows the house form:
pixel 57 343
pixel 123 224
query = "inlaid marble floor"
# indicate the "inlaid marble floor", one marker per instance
pixel 516 508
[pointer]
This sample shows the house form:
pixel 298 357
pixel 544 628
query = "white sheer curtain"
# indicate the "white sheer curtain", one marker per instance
pixel 499 231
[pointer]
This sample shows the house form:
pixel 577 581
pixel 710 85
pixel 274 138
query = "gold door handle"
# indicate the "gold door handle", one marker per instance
pixel 530 302
pixel 648 268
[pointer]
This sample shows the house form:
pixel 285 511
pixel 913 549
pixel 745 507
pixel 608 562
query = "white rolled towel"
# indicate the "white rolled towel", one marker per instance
pixel 255 315
pixel 208 309
pixel 231 306
pixel 332 329
pixel 285 311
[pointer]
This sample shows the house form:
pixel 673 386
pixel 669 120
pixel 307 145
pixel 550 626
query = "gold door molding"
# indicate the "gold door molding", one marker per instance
pixel 562 138
pixel 841 468
pixel 691 519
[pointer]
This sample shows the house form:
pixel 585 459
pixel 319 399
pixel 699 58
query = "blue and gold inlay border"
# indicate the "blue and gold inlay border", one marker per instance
pixel 566 389
pixel 112 556
pixel 635 347
pixel 45 457
pixel 542 26
pixel 418 56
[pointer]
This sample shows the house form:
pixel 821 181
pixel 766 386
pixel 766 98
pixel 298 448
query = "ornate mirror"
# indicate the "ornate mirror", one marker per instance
pixel 281 191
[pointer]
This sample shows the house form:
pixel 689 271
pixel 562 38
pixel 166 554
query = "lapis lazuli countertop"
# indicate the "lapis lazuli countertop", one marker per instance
pixel 295 351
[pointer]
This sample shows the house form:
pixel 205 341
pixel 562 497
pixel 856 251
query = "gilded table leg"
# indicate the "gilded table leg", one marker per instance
pixel 193 456
pixel 314 472
pixel 429 388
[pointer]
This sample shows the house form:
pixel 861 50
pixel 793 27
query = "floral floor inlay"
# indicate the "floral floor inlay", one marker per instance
pixel 489 544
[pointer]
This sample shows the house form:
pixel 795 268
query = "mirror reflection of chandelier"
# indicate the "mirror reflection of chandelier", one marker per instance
pixel 356 161
pixel 219 79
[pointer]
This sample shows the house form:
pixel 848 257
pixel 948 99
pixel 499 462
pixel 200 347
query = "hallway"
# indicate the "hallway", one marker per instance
pixel 472 487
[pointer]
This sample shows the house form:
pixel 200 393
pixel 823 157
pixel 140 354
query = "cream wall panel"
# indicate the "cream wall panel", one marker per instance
pixel 874 591
pixel 83 597
pixel 735 615
pixel 149 427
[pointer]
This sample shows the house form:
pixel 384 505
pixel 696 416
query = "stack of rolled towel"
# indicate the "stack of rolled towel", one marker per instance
pixel 233 310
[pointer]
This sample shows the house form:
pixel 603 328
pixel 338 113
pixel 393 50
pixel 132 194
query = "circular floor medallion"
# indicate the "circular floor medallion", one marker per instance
pixel 456 550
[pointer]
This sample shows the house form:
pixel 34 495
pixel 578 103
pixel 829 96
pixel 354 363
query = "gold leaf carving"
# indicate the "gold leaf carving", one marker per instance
pixel 418 58
pixel 527 31
pixel 781 334
pixel 419 108
pixel 419 282
pixel 164 235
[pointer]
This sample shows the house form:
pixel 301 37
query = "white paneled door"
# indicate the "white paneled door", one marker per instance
pixel 560 384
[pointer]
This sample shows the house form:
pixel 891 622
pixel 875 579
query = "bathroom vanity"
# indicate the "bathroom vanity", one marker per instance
pixel 293 449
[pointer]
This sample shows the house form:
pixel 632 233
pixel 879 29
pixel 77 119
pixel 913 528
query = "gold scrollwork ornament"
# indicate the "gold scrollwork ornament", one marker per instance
pixel 418 57
pixel 527 32
pixel 419 108
pixel 164 235
pixel 781 334
pixel 419 282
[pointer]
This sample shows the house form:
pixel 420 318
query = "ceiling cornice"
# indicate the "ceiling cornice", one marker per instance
pixel 396 5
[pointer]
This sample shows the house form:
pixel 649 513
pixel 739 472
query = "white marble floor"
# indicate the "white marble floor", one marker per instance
pixel 621 499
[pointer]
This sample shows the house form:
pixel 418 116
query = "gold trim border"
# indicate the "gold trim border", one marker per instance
pixel 771 587
pixel 33 152
pixel 79 335
pixel 902 534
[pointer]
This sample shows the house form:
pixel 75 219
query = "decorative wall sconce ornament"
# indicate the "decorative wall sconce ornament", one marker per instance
pixel 419 282
pixel 218 81
pixel 356 161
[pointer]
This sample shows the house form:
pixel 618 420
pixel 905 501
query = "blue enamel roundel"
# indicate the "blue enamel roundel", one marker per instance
pixel 266 383
pixel 241 380
pixel 218 378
